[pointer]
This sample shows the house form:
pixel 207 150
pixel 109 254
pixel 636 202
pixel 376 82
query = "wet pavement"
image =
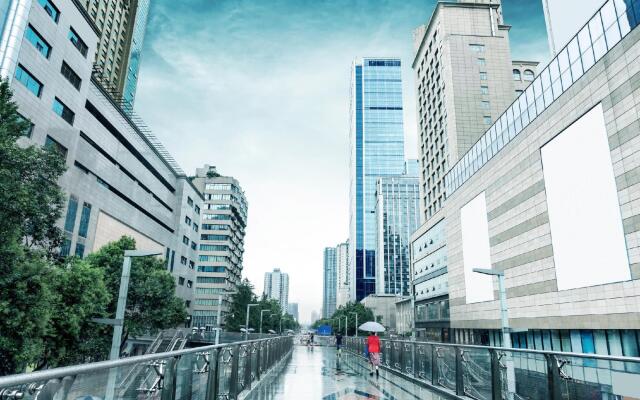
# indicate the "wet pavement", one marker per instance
pixel 317 373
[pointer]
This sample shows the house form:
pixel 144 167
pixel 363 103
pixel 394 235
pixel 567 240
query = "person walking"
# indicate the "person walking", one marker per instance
pixel 373 345
pixel 339 344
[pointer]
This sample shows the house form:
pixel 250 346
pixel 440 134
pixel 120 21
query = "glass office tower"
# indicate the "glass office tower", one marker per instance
pixel 377 150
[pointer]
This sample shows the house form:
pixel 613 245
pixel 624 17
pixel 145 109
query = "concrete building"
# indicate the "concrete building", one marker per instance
pixel 464 81
pixel 377 150
pixel 384 309
pixel 121 25
pixel 276 286
pixel 329 280
pixel 404 316
pixel 521 201
pixel 342 279
pixel 120 180
pixel 523 74
pixel 293 311
pixel 397 217
pixel 222 228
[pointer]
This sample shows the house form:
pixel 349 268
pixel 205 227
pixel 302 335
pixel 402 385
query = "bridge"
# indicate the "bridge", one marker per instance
pixel 280 368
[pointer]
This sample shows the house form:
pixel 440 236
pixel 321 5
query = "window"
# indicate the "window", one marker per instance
pixel 187 303
pixel 38 41
pixel 194 245
pixel 482 62
pixel 52 144
pixel 197 209
pixel 28 80
pixel 29 131
pixel 77 42
pixel 216 216
pixel 528 75
pixel 187 221
pixel 84 220
pixel 183 260
pixel 487 119
pixel 62 110
pixel 50 9
pixel 72 209
pixel 189 284
pixel 478 48
pixel 210 279
pixel 195 227
pixel 210 268
pixel 71 76
pixel 189 201
pixel 65 249
pixel 185 240
pixel 519 92
pixel 80 250
pixel 214 247
pixel 485 105
pixel 483 76
pixel 484 89
pixel 192 265
pixel 516 75
pixel 181 281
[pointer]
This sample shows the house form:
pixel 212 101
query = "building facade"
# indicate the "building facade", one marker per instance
pixel 293 311
pixel 377 150
pixel 121 25
pixel 329 281
pixel 276 286
pixel 397 217
pixel 120 180
pixel 222 225
pixel 521 202
pixel 342 279
pixel 464 81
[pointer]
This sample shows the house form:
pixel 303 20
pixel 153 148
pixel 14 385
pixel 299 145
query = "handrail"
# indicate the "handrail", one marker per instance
pixel 54 373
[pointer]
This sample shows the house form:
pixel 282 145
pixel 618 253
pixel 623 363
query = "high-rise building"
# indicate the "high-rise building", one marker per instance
pixel 329 287
pixel 276 286
pixel 398 216
pixel 120 180
pixel 293 310
pixel 377 150
pixel 121 26
pixel 222 228
pixel 464 81
pixel 342 276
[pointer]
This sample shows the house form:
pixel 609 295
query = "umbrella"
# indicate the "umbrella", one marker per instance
pixel 371 327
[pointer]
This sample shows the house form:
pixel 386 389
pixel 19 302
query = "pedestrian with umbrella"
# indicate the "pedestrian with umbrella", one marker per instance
pixel 373 345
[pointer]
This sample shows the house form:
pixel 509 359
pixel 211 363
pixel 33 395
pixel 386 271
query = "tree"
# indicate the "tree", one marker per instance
pixel 244 295
pixel 151 301
pixel 364 314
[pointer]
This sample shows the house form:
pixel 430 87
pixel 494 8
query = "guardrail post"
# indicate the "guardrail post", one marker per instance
pixel 214 375
pixel 413 360
pixel 258 361
pixel 554 379
pixel 168 390
pixel 233 379
pixel 459 371
pixel 434 365
pixel 496 375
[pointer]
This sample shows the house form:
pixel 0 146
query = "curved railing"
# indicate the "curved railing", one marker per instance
pixel 481 372
pixel 204 373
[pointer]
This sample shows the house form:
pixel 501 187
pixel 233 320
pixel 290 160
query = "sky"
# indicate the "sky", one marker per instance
pixel 260 89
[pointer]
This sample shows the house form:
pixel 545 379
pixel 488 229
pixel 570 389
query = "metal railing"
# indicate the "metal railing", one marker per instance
pixel 480 372
pixel 204 373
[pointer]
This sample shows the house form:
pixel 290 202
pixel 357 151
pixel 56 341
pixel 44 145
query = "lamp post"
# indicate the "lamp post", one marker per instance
pixel 261 314
pixel 118 322
pixel 506 331
pixel 352 312
pixel 219 317
pixel 345 325
pixel 246 323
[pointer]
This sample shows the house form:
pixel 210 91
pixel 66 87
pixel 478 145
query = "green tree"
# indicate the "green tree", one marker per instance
pixel 364 315
pixel 151 301
pixel 244 295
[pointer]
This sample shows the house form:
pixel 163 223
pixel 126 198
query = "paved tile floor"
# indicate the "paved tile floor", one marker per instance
pixel 318 374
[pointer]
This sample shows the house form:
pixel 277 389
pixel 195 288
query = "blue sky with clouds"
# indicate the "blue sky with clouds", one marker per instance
pixel 260 88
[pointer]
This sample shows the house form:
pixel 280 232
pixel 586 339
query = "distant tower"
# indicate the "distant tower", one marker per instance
pixel 329 282
pixel 276 286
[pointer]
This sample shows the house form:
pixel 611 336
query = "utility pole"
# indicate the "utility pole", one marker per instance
pixel 246 323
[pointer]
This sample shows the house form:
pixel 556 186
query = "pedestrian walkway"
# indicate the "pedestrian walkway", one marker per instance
pixel 316 373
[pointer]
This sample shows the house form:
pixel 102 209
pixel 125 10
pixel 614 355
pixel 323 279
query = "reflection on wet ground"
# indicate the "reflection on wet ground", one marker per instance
pixel 319 374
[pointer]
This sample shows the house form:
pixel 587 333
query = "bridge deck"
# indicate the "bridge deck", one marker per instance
pixel 318 374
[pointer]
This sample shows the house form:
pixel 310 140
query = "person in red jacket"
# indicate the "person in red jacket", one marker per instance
pixel 373 345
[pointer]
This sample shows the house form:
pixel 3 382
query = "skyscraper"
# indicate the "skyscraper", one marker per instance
pixel 377 150
pixel 398 216
pixel 276 286
pixel 342 276
pixel 222 229
pixel 329 288
pixel 293 310
pixel 122 25
pixel 465 80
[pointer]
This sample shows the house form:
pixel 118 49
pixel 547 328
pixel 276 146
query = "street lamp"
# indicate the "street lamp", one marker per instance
pixel 346 323
pixel 352 312
pixel 219 317
pixel 506 331
pixel 261 314
pixel 118 322
pixel 246 324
